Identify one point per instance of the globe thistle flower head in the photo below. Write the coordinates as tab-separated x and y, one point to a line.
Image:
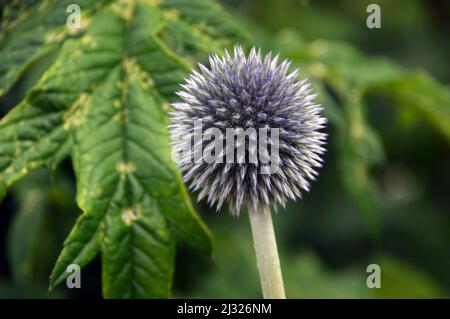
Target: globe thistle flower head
240	93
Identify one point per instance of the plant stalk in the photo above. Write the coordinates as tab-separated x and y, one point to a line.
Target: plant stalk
266	250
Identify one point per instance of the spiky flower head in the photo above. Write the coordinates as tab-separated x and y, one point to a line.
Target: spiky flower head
239	93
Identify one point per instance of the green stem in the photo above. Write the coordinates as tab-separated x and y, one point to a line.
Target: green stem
267	258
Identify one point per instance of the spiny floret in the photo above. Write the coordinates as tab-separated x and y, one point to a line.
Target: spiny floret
242	92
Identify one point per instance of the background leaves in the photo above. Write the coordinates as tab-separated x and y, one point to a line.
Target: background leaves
351	77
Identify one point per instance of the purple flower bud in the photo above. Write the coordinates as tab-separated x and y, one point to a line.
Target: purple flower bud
243	94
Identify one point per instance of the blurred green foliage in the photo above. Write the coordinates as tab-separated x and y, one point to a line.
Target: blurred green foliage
382	196
387	158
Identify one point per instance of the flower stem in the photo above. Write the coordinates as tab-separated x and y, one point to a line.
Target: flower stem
267	258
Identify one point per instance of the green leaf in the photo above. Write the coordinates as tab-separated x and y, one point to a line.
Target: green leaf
204	22
30	29
135	206
30	138
80	247
138	253
104	101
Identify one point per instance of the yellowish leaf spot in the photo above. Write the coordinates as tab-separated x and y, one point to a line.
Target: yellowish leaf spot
54	36
136	74
317	70
171	14
166	106
154	3
121	116
124	8
125	168
129	215
117	104
76	114
87	39
97	191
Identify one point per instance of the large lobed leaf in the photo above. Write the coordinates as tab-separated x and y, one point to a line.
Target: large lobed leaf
31	29
104	102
